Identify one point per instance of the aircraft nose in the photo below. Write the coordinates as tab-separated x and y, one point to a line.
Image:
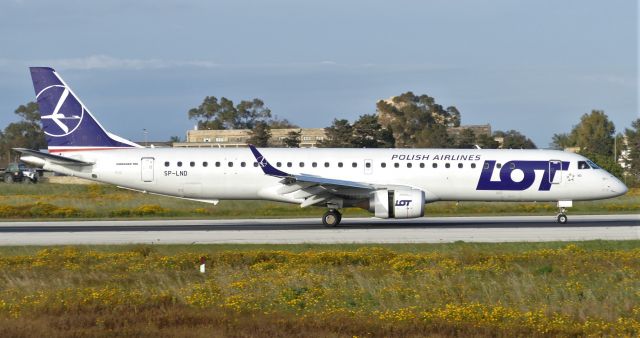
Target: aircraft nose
617	187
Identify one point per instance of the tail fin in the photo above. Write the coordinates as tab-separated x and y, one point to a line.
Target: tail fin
67	123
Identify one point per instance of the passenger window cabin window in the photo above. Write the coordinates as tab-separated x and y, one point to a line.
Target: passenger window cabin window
255	164
354	165
230	164
301	164
512	166
499	165
383	165
409	165
460	165
486	166
192	164
289	164
583	165
179	164
243	164
339	164
368	164
217	164
326	164
205	164
434	165
421	165
396	165
314	164
166	164
278	164
447	165
473	165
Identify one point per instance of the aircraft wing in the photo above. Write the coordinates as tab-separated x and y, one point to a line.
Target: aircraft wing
53	158
315	189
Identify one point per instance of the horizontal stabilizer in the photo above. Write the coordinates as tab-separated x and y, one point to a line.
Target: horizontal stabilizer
52	158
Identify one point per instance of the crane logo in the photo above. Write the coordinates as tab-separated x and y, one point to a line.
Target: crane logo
66	111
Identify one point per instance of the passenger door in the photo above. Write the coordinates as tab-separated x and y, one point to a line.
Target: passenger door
555	171
146	167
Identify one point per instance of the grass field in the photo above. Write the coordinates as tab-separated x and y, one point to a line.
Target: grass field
102	201
414	290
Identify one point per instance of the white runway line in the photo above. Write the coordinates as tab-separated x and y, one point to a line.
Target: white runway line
497	230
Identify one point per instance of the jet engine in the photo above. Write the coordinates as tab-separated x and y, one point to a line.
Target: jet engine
408	203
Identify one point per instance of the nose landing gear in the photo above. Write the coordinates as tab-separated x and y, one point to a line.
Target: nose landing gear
331	218
562	209
562	218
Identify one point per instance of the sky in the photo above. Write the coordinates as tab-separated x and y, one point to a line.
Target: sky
532	66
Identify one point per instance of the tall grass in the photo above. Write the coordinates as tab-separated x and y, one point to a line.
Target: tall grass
516	289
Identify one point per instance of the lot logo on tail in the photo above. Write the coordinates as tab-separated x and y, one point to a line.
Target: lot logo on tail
528	175
66	112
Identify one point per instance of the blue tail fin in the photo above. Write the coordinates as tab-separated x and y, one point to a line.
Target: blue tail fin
67	123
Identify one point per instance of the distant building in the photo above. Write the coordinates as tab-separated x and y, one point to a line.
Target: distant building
478	129
309	138
234	138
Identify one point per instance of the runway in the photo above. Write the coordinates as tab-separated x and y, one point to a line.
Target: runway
352	230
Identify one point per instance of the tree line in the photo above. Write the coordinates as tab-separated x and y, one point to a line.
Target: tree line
595	138
405	121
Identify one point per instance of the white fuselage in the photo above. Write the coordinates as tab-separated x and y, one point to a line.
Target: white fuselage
443	174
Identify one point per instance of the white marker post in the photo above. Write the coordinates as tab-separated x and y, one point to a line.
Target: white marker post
202	261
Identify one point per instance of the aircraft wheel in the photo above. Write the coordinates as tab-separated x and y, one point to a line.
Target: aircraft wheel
562	219
8	178
331	218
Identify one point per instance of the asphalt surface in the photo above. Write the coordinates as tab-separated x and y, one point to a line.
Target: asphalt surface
352	230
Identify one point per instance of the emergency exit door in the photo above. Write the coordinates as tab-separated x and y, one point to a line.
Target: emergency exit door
146	165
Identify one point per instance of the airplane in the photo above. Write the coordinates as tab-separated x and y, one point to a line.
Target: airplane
390	183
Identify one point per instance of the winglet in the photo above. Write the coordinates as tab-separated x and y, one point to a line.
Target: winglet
267	168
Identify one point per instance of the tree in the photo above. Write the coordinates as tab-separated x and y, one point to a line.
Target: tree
23	134
368	133
248	113
487	142
594	134
562	141
293	139
466	139
513	139
632	160
260	134
174	139
222	114
277	123
339	135
417	121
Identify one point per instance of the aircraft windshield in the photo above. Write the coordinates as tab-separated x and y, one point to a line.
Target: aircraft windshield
593	165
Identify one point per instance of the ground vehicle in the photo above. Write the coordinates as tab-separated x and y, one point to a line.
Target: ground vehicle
18	172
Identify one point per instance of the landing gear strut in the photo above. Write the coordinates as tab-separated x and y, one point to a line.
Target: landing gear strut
331	218
562	210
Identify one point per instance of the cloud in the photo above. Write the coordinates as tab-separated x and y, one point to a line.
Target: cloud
109	62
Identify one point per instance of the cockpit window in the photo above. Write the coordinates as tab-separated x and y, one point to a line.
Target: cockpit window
583	165
593	165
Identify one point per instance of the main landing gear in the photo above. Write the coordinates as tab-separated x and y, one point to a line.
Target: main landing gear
331	218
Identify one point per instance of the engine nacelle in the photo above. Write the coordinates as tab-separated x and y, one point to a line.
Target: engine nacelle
407	203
